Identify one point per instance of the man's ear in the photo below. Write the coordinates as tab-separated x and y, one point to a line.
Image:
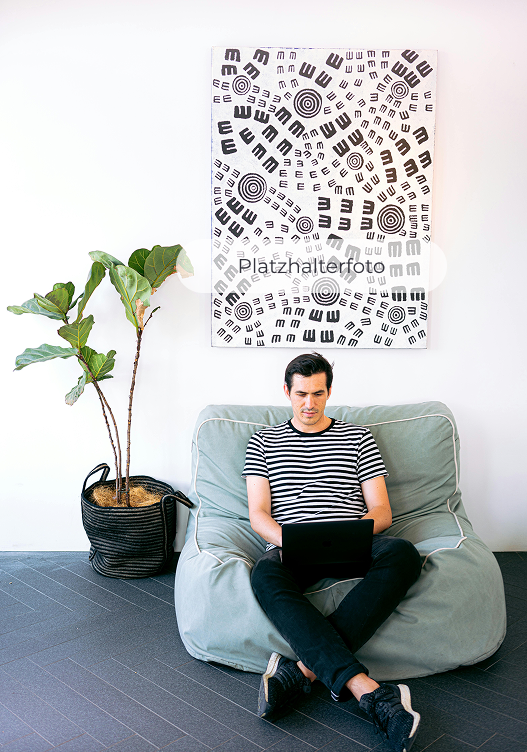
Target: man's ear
286	390
329	391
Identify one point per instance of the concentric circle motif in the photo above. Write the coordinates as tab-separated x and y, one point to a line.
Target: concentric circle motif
391	219
243	311
325	291
400	89
252	187
396	315
307	103
355	161
241	85
304	225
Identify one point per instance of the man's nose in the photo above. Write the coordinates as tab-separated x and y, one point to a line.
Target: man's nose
310	400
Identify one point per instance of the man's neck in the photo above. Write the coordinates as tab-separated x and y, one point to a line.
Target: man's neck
317	427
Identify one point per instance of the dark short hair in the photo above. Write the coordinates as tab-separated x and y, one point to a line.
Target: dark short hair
308	365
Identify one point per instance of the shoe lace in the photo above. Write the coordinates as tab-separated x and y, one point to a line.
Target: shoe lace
384	710
290	678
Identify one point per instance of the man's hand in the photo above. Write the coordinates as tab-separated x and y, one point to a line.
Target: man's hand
259	497
377	502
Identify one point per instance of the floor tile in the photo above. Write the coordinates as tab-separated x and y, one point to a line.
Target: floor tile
34	599
291	744
466	711
88	716
11	726
47	588
244	696
113	634
136	716
135	743
481	690
306	729
141	705
10	624
449	744
516	610
244	677
499	743
84	743
343	744
429	731
49	723
515	637
155	677
342	718
442	715
517	672
188	744
489	680
238	744
94	591
123	588
42	624
155	589
31	743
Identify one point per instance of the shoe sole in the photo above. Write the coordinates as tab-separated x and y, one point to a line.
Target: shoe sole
269	673
406	702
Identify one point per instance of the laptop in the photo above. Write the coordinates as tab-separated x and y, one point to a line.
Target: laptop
340	548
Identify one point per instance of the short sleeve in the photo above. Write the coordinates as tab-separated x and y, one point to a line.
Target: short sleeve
255	462
369	462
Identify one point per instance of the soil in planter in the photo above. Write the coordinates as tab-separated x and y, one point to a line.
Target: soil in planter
104	496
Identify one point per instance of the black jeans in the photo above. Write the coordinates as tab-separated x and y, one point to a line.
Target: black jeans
326	646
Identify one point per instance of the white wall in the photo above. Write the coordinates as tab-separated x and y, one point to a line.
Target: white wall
104	131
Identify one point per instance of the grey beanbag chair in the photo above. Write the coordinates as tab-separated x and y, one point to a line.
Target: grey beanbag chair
454	614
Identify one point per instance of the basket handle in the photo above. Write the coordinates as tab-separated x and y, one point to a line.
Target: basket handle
178	496
105	472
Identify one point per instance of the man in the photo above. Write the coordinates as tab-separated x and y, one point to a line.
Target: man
313	467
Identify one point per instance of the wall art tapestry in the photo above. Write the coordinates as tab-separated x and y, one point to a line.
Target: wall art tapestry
321	197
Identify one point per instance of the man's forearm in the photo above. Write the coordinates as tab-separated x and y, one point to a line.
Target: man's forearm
381	517
263	524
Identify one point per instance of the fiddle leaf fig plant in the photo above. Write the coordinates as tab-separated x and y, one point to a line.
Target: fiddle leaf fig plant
135	283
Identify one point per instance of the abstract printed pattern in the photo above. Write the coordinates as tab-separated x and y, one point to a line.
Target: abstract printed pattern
321	197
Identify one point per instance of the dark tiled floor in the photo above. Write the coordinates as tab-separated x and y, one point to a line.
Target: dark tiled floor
89	663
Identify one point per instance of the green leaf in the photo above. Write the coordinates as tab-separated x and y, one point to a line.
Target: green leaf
69	286
55	301
77	333
105	259
95	277
42	353
107	366
132	287
137	260
33	306
73	395
61	298
99	364
184	266
161	263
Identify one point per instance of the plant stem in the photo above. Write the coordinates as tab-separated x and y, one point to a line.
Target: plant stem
128	436
105	406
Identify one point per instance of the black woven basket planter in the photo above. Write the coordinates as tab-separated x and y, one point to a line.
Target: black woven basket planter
131	542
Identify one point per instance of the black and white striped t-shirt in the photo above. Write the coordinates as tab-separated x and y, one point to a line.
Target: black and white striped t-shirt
315	476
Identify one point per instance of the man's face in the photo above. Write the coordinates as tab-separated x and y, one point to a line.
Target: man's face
308	396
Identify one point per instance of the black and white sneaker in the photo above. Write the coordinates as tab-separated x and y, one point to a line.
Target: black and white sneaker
390	708
281	684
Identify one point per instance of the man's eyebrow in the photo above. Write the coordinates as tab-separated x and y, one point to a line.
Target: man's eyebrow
299	391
